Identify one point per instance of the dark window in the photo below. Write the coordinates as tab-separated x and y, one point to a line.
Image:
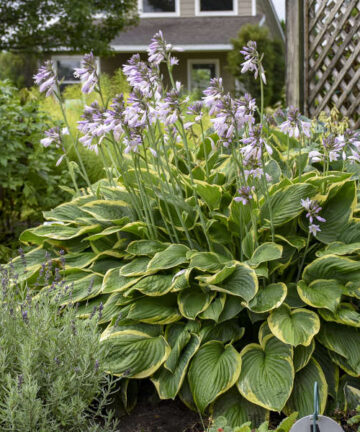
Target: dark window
65	69
201	73
216	5
158	6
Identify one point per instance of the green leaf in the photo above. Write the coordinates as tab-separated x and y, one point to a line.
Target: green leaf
343	340
193	301
172	256
267	373
233	306
61	232
335	267
168	383
134	353
339	248
106	210
229	331
214	310
294	327
286	203
210	193
136	267
266	252
302	355
287	423
337	211
345	313
213	370
156	285
146	247
321	293
237	410
268	298
302	397
81	288
331	371
207	261
239	280
113	282
155	310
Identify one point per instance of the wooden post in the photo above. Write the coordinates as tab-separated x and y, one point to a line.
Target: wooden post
294	53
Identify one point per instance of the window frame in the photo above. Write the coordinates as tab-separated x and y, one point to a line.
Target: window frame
158	14
63	57
191	62
234	12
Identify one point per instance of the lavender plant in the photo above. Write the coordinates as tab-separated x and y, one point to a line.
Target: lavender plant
225	260
52	375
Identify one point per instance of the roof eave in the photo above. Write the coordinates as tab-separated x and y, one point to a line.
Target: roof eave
182	48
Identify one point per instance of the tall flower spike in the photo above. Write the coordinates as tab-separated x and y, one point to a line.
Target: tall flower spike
46	78
294	126
252	61
53	136
160	51
313	209
87	73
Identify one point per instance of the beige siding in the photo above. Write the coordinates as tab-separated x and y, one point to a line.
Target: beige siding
187	8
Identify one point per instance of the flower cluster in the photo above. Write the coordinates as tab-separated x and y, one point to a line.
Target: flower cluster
159	50
54	136
312	207
46	78
294	125
253	61
87	73
246	194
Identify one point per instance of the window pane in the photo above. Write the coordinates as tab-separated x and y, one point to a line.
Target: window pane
216	5
65	69
158	6
201	75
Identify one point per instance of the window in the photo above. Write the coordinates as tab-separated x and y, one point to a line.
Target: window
216	7
158	8
64	66
200	72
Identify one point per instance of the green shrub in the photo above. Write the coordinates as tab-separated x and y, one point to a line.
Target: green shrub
220	424
227	263
52	375
273	62
29	179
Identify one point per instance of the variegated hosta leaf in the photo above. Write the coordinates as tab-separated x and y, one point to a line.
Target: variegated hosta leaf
214	310
113	282
238	279
330	369
286	203
339	248
193	301
153	286
345	313
107	210
229	331
267	373
171	257
213	370
266	252
210	193
146	247
155	310
168	383
81	288
343	340
207	261
238	410
340	268
68	212
233	306
302	355
59	231
342	363
294	326
302	397
321	293
134	353
268	298
136	267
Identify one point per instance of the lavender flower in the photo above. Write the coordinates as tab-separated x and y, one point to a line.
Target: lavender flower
312	207
133	142
92	126
169	110
334	146
294	126
87	73
114	117
46	78
142	78
253	61
245	195
213	93
160	51
53	136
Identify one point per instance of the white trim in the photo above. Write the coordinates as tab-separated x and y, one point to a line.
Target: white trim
62	57
216	13
185	47
158	14
262	21
190	62
253	7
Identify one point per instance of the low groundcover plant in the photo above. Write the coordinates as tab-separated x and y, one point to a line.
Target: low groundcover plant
222	248
52	376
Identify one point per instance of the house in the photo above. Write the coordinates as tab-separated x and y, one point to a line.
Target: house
201	29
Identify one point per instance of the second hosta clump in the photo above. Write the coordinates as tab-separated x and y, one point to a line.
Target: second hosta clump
225	261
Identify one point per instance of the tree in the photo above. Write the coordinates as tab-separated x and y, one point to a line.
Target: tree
273	62
45	26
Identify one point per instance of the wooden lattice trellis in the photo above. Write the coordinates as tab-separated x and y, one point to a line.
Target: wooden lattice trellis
332	57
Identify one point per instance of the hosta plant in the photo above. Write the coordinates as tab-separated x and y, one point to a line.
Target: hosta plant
222	247
220	424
